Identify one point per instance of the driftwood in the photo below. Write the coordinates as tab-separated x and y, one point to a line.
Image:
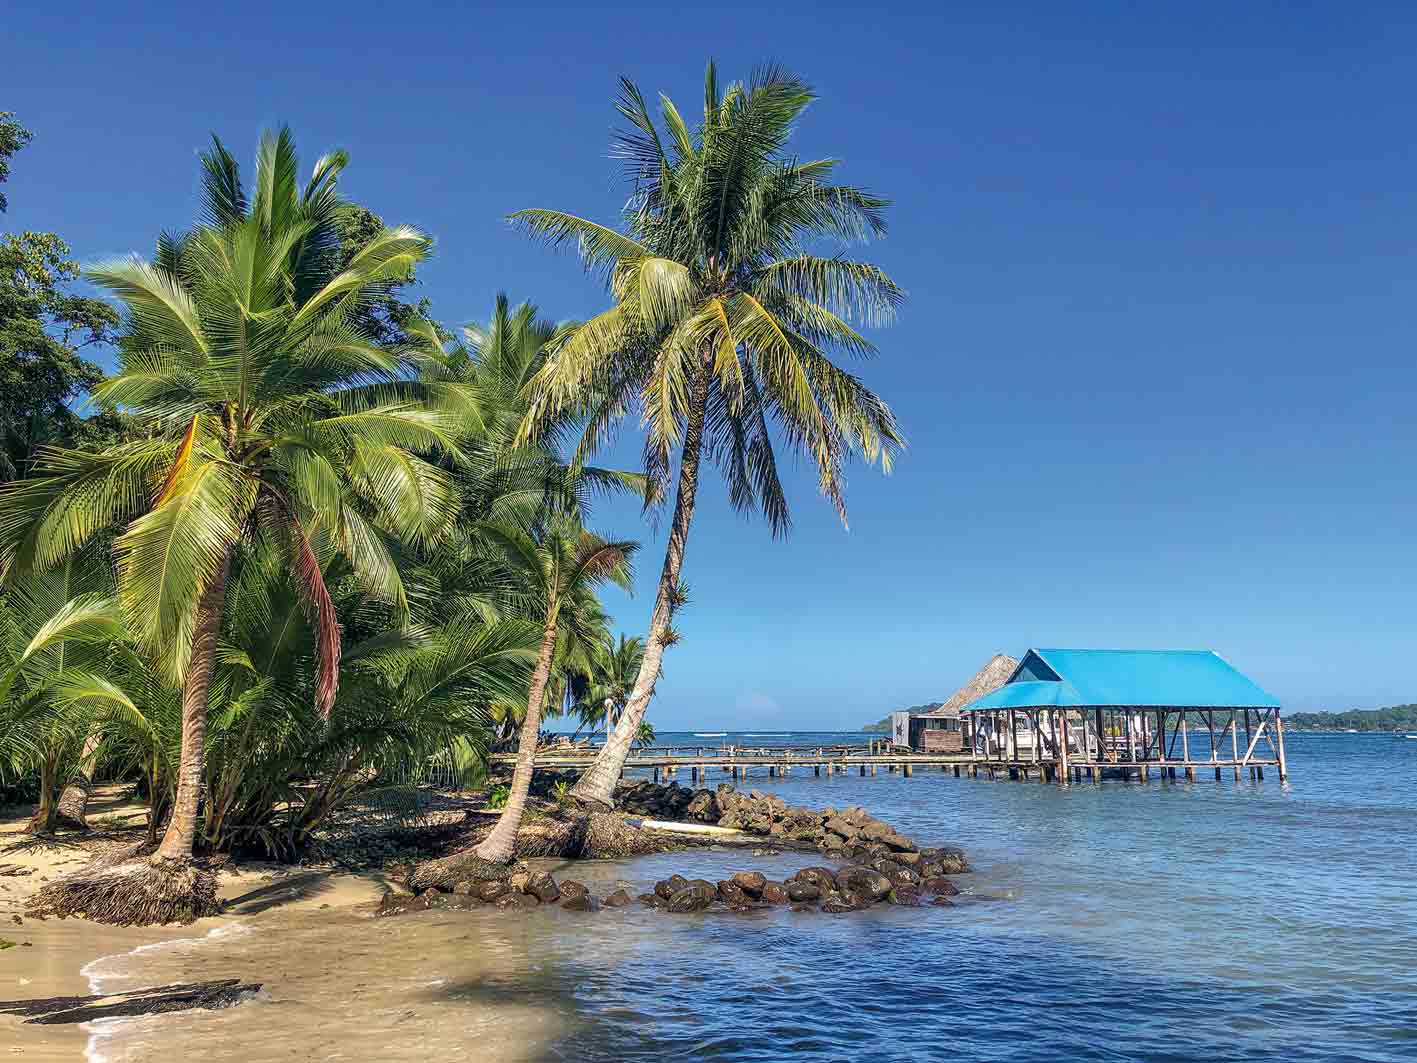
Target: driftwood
221	993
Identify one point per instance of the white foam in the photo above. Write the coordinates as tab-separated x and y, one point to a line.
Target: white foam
95	971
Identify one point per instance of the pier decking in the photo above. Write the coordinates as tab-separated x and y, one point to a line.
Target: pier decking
738	762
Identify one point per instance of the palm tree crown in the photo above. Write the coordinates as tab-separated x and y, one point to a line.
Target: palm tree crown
722	309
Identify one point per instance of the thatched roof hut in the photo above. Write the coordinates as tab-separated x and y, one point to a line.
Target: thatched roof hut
938	731
987	680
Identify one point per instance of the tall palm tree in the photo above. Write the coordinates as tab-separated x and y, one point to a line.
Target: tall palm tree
723	318
557	569
270	416
612	680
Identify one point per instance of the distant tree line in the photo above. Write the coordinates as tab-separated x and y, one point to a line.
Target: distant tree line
884	725
1392	718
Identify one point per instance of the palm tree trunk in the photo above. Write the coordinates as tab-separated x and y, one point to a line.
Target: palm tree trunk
181	831
74	801
597	785
42	822
498	846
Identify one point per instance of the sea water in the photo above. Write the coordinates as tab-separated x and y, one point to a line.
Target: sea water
1123	921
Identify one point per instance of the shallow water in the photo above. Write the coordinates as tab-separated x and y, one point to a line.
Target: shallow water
1178	921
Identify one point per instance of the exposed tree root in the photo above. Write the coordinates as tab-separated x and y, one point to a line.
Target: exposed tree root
462	866
126	891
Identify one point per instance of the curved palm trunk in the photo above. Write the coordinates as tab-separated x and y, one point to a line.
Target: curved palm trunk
181	832
498	846
74	801
597	785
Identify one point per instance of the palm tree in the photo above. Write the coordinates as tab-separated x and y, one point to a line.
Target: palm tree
270	416
722	321
557	569
611	681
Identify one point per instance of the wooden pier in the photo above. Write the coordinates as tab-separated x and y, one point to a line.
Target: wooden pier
1043	762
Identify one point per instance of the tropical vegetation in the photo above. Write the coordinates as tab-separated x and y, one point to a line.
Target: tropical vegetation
305	546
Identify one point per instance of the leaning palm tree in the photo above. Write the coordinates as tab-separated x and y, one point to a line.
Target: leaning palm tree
268	415
557	569
723	319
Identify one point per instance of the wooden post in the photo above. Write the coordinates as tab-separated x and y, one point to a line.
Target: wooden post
873	768
1060	735
1279	752
817	770
906	770
863	771
1013	735
1235	744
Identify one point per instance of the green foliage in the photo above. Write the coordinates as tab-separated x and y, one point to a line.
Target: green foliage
497	797
13	137
43	328
883	726
1392	718
722	309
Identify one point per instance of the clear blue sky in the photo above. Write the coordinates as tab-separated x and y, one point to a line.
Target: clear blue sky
1156	368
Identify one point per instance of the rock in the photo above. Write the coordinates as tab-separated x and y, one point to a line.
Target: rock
802	891
875	830
543	887
571	888
520	880
652	900
583	902
492	890
704	807
949	860
520	902
693	898
459	902
942	902
909	859
774	893
939	885
838	825
618	899
751	882
823	878
836	904
831	842
804	908
666	888
905	896
863	881
899	874
465	888
898	842
732	894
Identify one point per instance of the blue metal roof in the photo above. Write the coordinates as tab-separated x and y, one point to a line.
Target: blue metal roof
1152	678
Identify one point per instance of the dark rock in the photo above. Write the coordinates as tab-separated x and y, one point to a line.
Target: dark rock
492	890
905	896
942	902
751	882
465	888
838	825
802	891
898	842
666	888
775	893
652	900
521	902
399	904
618	899
836	903
948	860
692	898
804	908
823	878
582	902
571	888
543	887
939	885
909	859
731	893
863	881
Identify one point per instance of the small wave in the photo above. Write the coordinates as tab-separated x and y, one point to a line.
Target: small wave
112	966
710	734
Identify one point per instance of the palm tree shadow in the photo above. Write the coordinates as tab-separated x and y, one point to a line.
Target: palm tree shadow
282	891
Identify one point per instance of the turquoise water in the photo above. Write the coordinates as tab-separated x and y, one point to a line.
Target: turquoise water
1177	921
1124	921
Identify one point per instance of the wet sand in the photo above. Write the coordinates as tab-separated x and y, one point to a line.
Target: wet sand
338	983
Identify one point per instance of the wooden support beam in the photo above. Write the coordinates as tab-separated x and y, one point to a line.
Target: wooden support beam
1279	752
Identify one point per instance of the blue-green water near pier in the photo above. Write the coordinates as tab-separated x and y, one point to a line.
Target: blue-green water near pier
1168	921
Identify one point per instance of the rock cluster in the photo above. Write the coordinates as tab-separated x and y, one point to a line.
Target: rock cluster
521	891
847	834
850	889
